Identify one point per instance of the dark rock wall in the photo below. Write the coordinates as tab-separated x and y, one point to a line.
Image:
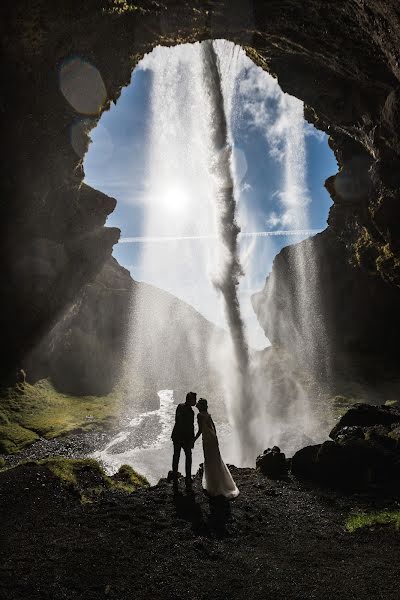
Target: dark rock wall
341	58
340	322
82	354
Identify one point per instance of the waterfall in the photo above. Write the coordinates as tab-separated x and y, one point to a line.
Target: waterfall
191	194
227	279
290	419
176	197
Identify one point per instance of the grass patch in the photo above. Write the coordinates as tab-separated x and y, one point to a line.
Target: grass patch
361	520
392	403
29	411
13	438
128	480
88	479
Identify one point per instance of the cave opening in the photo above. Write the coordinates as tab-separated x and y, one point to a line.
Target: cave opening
148	151
264	125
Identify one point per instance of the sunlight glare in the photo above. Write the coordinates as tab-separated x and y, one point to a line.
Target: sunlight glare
175	199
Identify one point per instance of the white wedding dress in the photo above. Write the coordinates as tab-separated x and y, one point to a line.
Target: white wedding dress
217	480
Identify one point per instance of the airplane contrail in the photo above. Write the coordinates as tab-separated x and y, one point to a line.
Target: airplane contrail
242	234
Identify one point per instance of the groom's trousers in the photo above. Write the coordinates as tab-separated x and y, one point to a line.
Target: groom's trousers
187	448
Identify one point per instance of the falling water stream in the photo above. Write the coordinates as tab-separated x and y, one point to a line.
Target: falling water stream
192	188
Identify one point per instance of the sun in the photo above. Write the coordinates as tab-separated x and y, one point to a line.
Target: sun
175	199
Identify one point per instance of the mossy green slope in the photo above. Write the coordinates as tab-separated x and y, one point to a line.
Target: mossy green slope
362	520
88	479
29	411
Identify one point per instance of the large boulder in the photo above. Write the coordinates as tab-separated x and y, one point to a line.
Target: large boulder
365	415
272	463
304	462
364	450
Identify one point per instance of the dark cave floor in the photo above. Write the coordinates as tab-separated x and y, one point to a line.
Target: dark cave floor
277	540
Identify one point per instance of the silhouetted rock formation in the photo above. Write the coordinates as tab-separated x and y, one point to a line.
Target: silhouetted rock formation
365	450
272	463
348	320
83	353
343	62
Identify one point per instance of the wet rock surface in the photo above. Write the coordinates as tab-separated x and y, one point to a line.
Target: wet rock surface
74	445
281	540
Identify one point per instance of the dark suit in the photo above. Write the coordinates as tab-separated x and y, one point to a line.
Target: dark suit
182	437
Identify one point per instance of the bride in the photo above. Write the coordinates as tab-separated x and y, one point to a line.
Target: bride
217	480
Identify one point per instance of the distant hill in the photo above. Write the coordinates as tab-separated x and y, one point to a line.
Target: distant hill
123	332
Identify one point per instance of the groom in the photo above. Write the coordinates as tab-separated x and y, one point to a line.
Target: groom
183	437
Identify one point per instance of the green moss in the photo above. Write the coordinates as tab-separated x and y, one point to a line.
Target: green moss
120	7
378	258
366	250
388	264
394	403
341	404
2	462
69	469
360	520
3	418
29	411
13	438
87	478
257	58
128	480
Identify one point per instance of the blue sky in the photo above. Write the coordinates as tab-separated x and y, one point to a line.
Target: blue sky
122	163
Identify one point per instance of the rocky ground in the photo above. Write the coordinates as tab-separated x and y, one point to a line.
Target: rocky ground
74	445
278	539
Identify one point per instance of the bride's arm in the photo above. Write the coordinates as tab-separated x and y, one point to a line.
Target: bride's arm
200	425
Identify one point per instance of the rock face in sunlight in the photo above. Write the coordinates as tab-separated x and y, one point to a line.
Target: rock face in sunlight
169	344
84	353
342	63
350	330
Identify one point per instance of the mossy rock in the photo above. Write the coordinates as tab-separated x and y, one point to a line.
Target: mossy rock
127	479
13	438
371	520
341	404
88	479
393	403
4	420
29	411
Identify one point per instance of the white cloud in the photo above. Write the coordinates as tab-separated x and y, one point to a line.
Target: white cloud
280	119
285	219
311	131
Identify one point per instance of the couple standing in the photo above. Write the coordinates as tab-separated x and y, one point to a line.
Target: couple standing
217	480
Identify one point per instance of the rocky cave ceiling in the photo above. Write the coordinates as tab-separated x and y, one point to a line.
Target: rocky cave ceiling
339	57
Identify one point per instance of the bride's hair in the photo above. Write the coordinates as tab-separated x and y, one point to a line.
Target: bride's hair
202	404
